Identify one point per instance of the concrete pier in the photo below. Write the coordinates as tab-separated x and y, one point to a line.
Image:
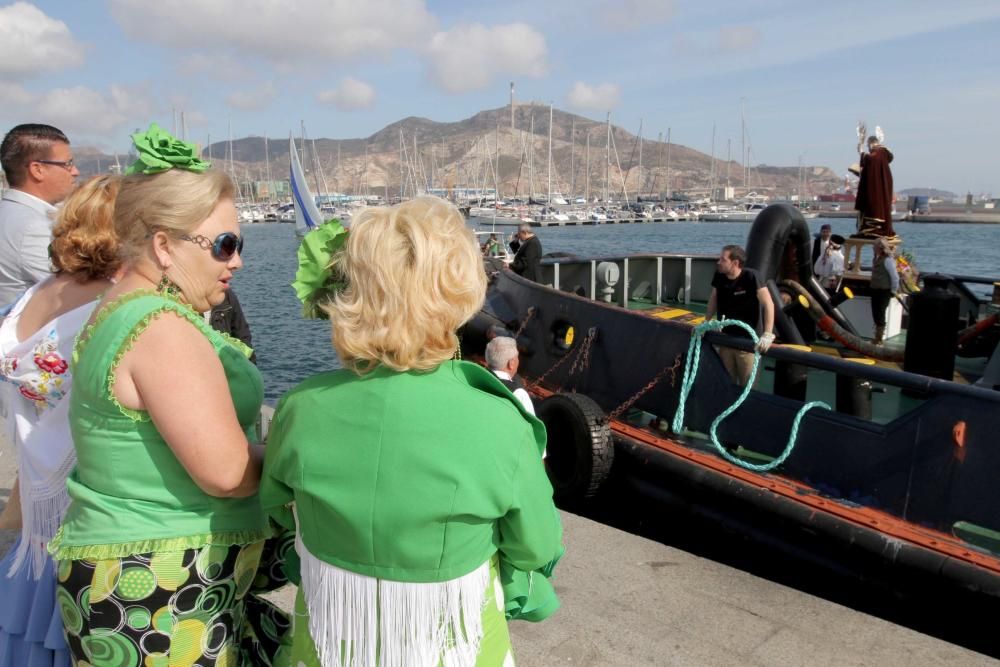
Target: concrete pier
630	601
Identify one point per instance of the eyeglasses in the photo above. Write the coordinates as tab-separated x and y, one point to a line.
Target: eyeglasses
223	247
65	164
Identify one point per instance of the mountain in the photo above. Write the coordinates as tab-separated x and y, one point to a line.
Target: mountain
464	153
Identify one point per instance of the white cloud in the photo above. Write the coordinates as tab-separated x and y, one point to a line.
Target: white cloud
222	66
310	31
601	97
738	37
350	95
632	14
253	98
31	42
81	111
470	56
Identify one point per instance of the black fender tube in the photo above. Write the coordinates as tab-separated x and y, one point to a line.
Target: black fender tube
783	324
774	228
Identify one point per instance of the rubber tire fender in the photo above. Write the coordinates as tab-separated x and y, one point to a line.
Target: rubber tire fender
580	447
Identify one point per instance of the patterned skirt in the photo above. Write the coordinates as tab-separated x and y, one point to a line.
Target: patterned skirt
196	607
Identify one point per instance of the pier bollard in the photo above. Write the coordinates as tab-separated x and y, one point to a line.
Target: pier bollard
854	394
790	379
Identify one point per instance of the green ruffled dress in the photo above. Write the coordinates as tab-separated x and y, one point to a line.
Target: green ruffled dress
151	569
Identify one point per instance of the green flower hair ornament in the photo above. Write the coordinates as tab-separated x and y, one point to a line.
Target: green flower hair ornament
160	151
316	282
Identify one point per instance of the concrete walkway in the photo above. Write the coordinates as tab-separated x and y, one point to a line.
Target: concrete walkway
630	601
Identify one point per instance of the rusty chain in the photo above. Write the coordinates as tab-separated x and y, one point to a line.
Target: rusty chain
583	349
671	370
527	318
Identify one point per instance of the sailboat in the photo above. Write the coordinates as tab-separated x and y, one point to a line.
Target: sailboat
307	216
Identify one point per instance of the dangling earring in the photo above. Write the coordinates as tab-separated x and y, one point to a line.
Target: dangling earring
166	287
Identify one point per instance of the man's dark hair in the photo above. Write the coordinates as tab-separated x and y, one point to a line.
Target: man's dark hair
736	254
23	145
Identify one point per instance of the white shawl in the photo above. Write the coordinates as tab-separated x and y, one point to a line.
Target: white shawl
36	384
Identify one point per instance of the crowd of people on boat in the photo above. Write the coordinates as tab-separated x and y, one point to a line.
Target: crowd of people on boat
153	515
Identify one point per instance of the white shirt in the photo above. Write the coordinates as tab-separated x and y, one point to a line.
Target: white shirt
519	394
25	235
830	265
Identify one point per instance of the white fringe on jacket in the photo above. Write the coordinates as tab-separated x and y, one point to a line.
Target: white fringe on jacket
354	618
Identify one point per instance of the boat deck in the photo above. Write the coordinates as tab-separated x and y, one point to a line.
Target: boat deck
888	402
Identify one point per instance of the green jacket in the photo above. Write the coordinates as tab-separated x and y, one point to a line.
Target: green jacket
415	476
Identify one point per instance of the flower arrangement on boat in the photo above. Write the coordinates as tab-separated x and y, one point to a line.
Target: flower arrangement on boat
909	275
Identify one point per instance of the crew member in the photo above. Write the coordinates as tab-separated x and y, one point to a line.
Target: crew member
829	268
820	242
528	254
738	293
884	284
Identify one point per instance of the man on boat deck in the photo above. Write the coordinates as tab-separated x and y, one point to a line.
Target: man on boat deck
821	242
738	293
874	200
528	254
503	359
38	164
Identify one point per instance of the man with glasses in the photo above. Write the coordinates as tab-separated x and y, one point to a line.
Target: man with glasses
38	164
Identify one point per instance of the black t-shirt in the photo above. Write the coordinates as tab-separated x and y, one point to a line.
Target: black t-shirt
737	300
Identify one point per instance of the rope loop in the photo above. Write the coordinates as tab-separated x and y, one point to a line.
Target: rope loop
690	372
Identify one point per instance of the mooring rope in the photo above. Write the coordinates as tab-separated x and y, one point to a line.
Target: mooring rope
691	370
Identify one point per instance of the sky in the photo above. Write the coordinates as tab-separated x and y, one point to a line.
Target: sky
801	74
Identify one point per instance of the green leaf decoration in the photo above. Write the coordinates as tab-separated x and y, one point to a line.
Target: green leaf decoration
160	151
315	281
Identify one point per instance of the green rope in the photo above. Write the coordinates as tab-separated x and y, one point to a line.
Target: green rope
690	371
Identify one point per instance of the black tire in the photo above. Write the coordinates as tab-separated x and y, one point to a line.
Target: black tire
580	447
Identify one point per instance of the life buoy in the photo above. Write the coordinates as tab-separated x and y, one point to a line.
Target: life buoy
580	447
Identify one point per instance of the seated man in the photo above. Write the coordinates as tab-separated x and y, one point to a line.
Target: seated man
502	358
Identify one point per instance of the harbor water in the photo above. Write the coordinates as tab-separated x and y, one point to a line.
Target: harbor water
289	348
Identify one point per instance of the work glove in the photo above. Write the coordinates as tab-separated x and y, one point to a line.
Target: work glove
764	343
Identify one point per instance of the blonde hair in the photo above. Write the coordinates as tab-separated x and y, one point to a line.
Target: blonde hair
84	243
174	201
414	276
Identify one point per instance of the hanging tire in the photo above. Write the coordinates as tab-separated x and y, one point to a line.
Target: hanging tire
580	447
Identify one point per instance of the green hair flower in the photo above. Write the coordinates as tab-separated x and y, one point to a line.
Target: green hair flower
159	151
316	282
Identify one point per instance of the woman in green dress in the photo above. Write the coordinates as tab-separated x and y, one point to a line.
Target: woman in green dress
161	546
415	480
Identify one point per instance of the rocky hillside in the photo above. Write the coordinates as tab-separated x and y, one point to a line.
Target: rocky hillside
419	152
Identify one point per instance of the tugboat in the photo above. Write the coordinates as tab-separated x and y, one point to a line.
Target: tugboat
901	462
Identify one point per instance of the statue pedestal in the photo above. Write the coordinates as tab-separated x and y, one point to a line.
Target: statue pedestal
853	249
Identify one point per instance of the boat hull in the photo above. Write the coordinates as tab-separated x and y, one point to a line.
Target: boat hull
911	488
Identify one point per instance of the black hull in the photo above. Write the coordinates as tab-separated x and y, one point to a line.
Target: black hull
900	489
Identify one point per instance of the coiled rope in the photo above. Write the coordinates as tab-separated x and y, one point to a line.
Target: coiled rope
690	371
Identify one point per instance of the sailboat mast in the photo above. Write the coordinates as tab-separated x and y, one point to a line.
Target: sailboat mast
669	193
267	168
711	171
640	157
531	157
549	200
401	165
572	161
607	163
743	140
587	186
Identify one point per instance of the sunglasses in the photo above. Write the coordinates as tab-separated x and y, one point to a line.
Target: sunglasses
223	247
